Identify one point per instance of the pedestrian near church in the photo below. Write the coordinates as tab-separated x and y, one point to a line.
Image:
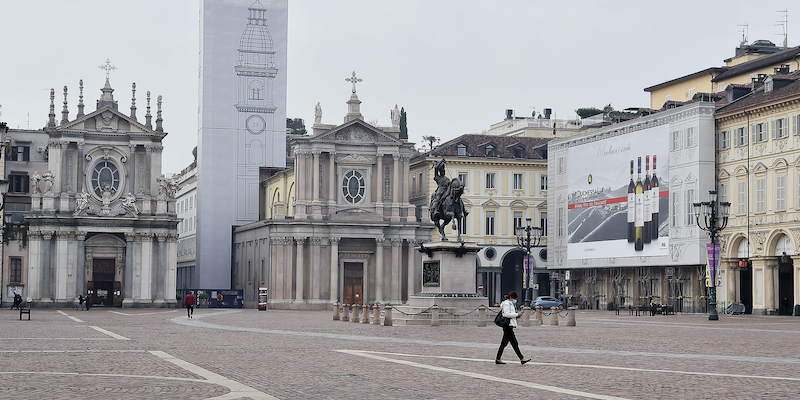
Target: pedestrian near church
17	301
80	302
189	303
509	310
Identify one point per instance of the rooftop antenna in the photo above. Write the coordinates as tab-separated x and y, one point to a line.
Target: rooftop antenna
784	23
744	29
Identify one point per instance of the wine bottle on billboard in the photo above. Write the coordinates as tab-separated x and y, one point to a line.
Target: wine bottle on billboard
638	244
631	208
648	213
656	201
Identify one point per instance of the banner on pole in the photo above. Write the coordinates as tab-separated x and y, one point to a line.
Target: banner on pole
713	277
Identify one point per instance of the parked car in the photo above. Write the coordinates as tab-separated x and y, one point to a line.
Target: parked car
547	302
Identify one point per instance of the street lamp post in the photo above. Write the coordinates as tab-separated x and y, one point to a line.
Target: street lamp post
715	218
527	237
3	191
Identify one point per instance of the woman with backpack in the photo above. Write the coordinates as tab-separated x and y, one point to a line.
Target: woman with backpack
509	310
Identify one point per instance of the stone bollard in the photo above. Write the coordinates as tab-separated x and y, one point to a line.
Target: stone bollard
366	314
571	316
537	321
554	316
387	319
336	311
354	317
345	313
481	316
526	316
376	315
435	315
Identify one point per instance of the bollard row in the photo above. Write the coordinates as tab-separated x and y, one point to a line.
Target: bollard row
355	313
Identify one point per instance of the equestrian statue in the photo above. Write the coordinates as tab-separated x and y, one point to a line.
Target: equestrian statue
446	204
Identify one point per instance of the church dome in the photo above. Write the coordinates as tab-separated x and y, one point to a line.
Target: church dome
256	37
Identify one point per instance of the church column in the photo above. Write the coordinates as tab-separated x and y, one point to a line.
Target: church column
397	277
47	272
332	184
35	259
300	189
276	268
396	187
316	211
80	271
411	267
161	275
770	284
127	283
335	269
316	263
172	264
62	265
298	288
288	263
130	182
146	289
79	160
411	215
379	186
54	163
379	270
155	166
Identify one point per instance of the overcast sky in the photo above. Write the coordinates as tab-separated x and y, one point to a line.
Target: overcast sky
454	65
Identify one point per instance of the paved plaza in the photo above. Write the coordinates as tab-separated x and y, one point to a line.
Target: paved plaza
250	354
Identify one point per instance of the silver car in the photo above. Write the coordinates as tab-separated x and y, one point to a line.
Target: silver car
547	302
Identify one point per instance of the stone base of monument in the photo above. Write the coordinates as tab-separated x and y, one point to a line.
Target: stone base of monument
449	282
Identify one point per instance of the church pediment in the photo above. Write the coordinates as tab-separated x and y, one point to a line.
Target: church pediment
108	120
356	132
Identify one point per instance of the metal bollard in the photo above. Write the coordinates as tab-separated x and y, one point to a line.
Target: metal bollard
571	316
526	316
376	315
345	313
435	315
387	319
481	316
366	314
537	320
336	311
354	318
554	316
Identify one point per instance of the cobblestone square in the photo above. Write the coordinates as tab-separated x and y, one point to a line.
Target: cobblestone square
249	354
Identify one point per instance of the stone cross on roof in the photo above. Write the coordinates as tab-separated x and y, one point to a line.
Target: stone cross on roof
107	67
354	80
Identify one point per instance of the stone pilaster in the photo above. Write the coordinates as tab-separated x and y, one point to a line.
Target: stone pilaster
299	269
379	270
397	272
334	241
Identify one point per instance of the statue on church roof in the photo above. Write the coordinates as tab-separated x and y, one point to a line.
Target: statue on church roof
48	178
35	179
395	117
446	204
128	205
81	203
317	114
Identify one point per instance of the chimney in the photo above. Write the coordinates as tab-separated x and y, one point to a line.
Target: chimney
547	113
782	70
509	114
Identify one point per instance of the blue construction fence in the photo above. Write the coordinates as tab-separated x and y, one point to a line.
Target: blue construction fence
207	298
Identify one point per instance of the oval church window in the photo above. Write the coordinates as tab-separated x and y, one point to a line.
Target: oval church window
353	187
105	176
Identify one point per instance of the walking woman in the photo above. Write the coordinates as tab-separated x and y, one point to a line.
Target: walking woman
510	311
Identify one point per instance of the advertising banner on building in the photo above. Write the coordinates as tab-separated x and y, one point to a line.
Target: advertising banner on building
618	204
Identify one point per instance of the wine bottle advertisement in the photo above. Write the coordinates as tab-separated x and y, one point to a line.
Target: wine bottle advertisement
618	204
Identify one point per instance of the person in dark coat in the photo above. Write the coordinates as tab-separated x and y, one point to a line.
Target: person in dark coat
189	303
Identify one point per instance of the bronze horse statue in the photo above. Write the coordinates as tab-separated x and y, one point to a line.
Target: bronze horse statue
446	204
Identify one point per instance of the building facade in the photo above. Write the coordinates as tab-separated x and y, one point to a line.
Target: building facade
100	218
505	184
242	115
758	171
186	208
663	258
350	233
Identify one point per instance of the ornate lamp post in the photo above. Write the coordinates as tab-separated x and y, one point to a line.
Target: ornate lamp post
715	218
3	191
527	237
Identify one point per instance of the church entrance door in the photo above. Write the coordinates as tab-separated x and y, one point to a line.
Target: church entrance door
103	284
353	283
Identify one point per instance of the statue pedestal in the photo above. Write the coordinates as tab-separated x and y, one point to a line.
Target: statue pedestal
36	202
48	202
448	276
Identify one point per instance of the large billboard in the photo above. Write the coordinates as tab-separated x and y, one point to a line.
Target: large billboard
618	196
242	117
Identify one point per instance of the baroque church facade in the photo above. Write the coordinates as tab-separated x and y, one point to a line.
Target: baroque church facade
339	226
101	220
